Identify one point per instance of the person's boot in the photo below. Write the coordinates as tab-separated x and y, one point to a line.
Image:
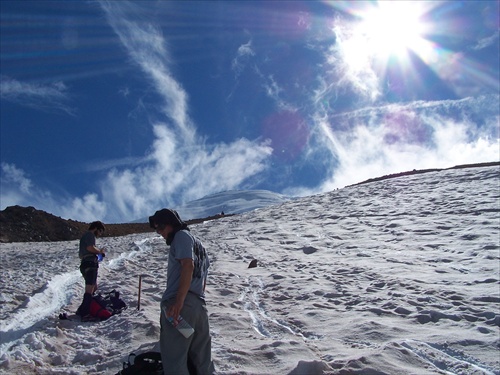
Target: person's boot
84	309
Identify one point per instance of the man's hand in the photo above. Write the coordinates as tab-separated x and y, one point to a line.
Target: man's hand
187	266
175	311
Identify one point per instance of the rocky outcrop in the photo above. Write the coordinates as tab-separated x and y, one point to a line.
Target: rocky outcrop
27	224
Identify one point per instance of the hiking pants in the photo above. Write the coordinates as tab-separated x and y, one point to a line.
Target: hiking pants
177	351
89	268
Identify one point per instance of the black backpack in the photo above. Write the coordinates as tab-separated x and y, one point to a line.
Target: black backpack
111	302
148	363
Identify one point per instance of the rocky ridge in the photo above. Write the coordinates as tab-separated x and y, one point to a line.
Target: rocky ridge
27	224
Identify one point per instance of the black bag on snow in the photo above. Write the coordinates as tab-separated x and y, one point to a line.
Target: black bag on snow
111	302
148	363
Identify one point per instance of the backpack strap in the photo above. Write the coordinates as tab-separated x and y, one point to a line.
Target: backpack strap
141	364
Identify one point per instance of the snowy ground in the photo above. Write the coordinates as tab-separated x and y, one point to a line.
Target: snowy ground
395	277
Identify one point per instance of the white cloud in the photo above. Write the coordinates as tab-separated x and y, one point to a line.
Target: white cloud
274	92
86	209
246	49
376	141
240	61
48	98
177	173
146	47
382	139
15	185
180	165
18	189
488	41
106	165
13	175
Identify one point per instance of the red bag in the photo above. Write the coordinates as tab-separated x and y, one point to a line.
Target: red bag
98	311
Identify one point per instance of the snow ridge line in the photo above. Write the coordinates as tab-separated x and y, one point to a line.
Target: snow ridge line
56	293
53	296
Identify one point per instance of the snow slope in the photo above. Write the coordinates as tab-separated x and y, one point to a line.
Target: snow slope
399	276
230	202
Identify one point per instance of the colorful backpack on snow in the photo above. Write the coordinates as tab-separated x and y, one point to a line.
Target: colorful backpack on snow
111	302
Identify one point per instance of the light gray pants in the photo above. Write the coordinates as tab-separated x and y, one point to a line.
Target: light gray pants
176	350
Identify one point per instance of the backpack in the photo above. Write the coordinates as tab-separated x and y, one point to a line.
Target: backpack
98	310
201	262
148	363
111	302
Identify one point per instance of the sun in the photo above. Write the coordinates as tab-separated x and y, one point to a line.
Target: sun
384	33
392	28
376	40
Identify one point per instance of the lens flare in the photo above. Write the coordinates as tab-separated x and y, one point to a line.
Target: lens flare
288	133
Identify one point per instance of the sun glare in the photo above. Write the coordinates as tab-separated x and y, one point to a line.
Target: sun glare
392	28
385	33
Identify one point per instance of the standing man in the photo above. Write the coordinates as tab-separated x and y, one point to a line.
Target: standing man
88	254
184	296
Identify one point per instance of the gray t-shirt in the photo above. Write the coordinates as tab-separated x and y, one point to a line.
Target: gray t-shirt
88	239
185	245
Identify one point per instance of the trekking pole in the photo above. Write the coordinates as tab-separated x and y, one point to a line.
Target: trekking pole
139	296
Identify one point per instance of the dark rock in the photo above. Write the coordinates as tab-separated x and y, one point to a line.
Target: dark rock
27	224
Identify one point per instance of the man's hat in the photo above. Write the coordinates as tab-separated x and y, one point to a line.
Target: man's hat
165	216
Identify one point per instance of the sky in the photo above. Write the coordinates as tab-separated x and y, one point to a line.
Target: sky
110	110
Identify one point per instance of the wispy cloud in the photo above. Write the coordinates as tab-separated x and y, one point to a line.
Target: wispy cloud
181	165
106	165
245	51
377	140
486	42
49	98
355	135
13	175
18	189
240	63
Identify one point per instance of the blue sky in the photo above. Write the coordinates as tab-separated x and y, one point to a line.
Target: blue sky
112	110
